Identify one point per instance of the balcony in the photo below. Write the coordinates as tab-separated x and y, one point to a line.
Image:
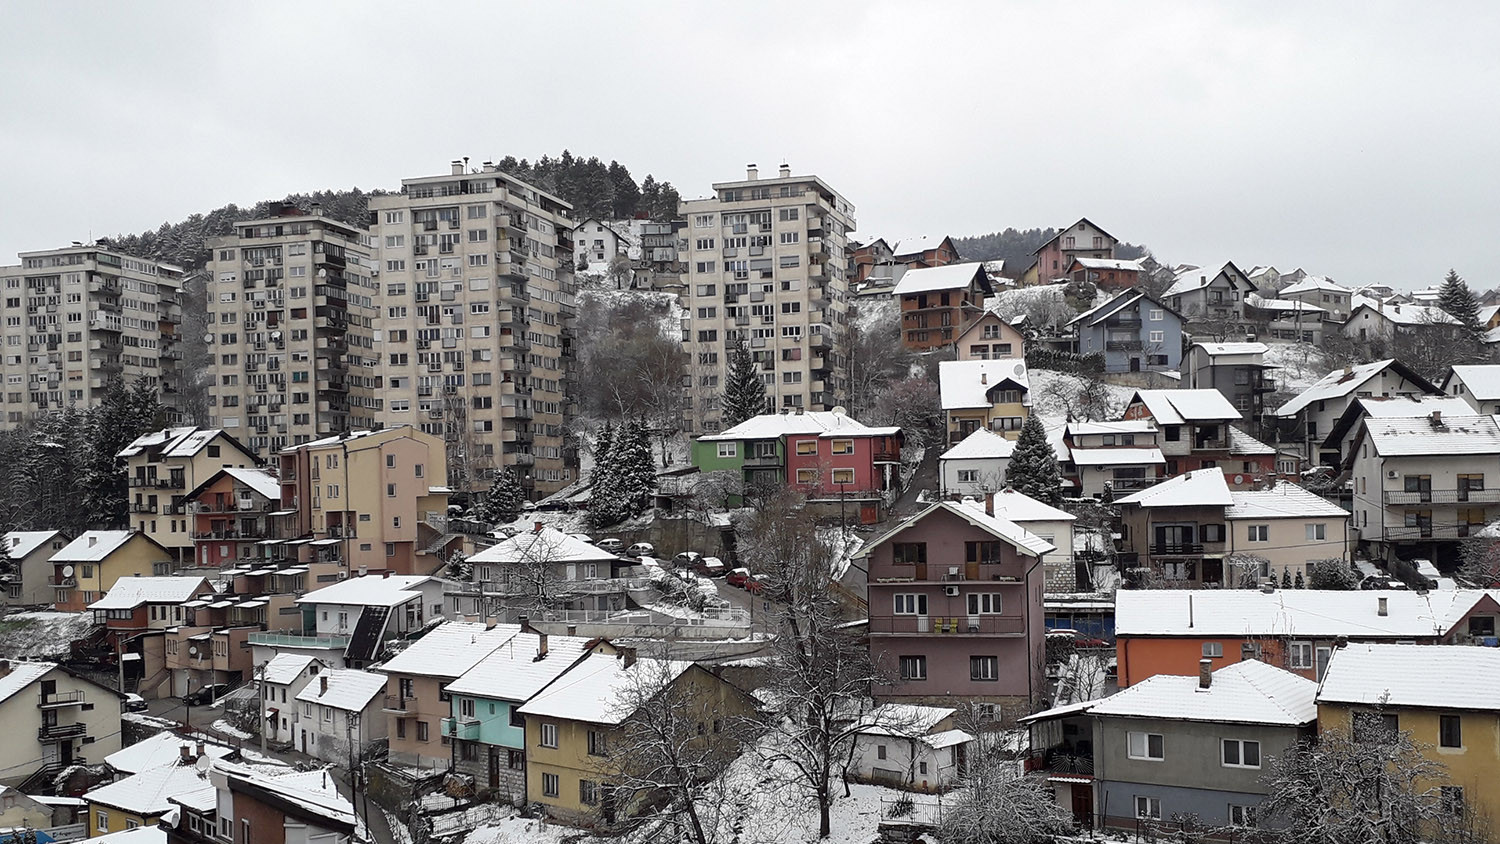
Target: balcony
402	705
1442	496
1420	532
61	732
48	700
63	583
1122	345
958	626
1265	385
460	728
288	639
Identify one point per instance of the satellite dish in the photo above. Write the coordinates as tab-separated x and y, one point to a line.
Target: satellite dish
208	338
1020	369
203	764
192	650
1239	479
67	571
275	335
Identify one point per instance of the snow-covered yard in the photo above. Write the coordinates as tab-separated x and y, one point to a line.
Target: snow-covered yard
1301	365
1054	394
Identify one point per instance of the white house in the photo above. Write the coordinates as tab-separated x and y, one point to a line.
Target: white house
910	747
340	715
281	680
596	243
1313	412
1476	384
1386	321
1209	292
1044	521
976	465
1123	456
366	611
28	579
1322	292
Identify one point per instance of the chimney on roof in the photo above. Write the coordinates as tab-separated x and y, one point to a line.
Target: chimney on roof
751	172
989	503
487	167
457	167
786	170
541	647
1383	609
1436	418
200	749
187	753
4	667
317	209
322	684
1205	673
1268	586
92	540
536	527
984	378
627	656
385	573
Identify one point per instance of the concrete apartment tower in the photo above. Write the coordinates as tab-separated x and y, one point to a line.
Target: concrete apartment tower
766	262
81	318
291	326
476	304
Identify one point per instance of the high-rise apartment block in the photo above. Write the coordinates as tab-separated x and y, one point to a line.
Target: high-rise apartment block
765	263
476	306
81	318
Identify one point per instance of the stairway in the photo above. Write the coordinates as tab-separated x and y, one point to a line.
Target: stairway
369	632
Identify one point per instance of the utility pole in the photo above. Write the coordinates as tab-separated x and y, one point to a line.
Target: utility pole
260	702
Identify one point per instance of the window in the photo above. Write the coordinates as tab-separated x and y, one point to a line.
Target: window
909	552
968	476
1258	533
400	728
1241	815
879	751
984	603
807	446
842	476
421	731
914	668
1148	807
1375	726
843	446
1316	532
1300	655
984	668
596	743
987	551
549	735
101	820
1144	745
1450	731
551	786
910	603
807	476
1158	337
588	792
1213	650
730	449
1239	753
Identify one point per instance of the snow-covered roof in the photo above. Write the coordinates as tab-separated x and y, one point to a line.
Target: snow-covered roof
1481	380
1116	456
1020	508
371	590
903	719
1291	305
1315	284
1001	528
1247	692
18	544
348	689
549	545
261	481
917	244
149	834
512	671
1336	384
1422	435
981	444
161	749
966	383
1283	501
1241	443
1313	613
285	668
335	439
1109	308
1216	349
1108	264
1124	426
314	792
947	277
1198	488
93	546
1178	407
450	649
599	689
1411	314
146	793
130	592
770	426
1197	278
946	738
167	439
21	675
1451	677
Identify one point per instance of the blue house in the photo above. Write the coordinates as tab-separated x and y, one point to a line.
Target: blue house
1134	332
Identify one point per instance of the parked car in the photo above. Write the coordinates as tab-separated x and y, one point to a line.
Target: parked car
612	545
686	559
1079	640
206	694
134	703
757	583
738	577
641	549
710	567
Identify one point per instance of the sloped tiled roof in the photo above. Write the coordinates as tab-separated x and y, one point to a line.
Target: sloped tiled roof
1198	488
1428	676
1247	692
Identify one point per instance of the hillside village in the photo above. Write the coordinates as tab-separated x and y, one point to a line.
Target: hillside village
739	524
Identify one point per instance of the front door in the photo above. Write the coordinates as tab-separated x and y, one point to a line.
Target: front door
304	741
1083	804
494	767
1135	364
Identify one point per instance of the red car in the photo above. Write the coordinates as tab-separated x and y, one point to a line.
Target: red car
738	577
756	583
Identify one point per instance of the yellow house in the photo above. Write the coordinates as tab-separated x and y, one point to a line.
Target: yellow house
993	393
88	567
572	725
1443	695
162	466
141	799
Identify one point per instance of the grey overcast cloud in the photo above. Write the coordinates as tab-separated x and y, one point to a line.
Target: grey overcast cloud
1356	140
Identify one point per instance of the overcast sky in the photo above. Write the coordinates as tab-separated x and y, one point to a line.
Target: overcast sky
1357	140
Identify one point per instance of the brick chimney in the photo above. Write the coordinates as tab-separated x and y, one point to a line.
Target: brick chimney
1205	673
385	573
751	172
627	655
536	527
322	684
1383	607
541	647
989	503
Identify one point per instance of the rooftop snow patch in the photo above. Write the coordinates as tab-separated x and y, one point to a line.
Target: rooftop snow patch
933	279
1283	501
1198	488
1440	677
981	444
1247	692
967	383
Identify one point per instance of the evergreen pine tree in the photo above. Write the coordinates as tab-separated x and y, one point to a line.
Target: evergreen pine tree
1298	582
1286	579
459	567
636	467
1459	302
1033	464
604	443
606	499
744	393
505	500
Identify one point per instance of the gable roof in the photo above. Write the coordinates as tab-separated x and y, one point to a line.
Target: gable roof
94	545
1109	455
1108	264
599	689
348	689
260	481
982	444
549	545
1088	427
370	590
1179	407
22	675
285	668
307	794
130	592
946	277
1011	325
1393	406
1446	677
1216	349
1283	501
967	383
450	649
1247	692
1314	613
512	671
1064	230
18	544
179	442
1481	380
1198	488
1121	300
1000	528
1449	435
1342	382
919	244
1241	443
1314	284
1197	278
1019	507
770	426
1401	314
164	748
147	792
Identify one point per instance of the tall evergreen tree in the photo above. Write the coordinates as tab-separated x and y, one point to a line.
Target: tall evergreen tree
505	500
1033	465
744	393
637	469
604	442
1459	302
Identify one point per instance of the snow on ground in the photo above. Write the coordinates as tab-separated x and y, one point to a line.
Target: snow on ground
670	324
874	309
149	721
38	635
1054	394
1302	364
229	729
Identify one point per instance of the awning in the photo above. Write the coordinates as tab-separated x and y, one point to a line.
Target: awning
326	541
250	605
284	513
269	542
218	605
129	657
259	572
293	570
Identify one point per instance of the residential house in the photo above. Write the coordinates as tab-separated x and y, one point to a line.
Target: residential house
1172	747
365	613
238	803
572	723
595	244
1443	697
137	612
1045	522
485	728
28	574
233	512
162	466
1052	259
282	678
1213	292
1385	322
955	598
1175	530
1113	457
1422	484
537	568
415	700
993	394
375	491
1308	417
142	799
989	337
1196	433
161	750
55	718
1284	530
1166	631
1288	319
918	748
1479	385
38	813
340	715
1237	370
977	465
89	566
1133	331
1411	405
924	251
865	257
1334	299
938	301
1109	274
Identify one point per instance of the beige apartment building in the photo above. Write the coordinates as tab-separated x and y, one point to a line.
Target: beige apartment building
163	466
766	262
476	305
291	319
81	318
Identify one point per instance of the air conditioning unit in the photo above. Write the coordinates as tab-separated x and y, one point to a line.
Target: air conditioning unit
343	575
950	591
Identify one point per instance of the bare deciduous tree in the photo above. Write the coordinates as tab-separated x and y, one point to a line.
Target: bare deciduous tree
997	804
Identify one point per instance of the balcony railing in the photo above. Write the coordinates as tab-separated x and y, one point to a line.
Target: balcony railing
460	728
50	699
1122	345
1443	496
289	639
403	705
963	625
60	732
1408	534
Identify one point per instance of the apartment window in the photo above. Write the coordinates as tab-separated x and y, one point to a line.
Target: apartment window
551	785
910	603
549	735
1241	815
805	447
807	476
984	603
390	490
1300	655
1238	753
843	446
1148	808
1450	731
421	731
588	792
984	668
914	668
390	549
1158	337
728	449
1213	650
1316	532
908	552
842	476
1258	533
987	551
1141	745
596	743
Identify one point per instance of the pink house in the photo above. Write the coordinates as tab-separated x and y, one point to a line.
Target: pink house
955	598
